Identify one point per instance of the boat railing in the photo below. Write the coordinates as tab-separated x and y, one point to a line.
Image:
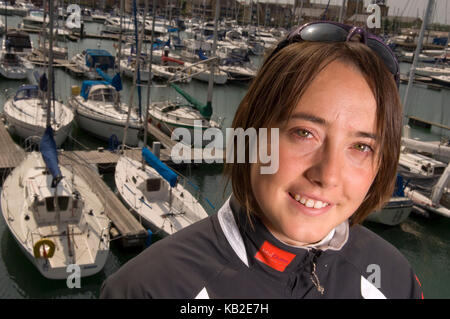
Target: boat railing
190	66
178	119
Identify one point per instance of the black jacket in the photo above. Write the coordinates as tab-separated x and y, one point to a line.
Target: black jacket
222	256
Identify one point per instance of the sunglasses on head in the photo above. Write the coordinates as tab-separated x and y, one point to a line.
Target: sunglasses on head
328	31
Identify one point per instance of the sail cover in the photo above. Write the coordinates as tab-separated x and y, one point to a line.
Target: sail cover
50	155
205	110
160	167
116	81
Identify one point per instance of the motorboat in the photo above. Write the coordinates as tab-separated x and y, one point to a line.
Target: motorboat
112	25
35	20
128	66
17	42
155	196
91	59
98	16
13	66
16	45
98	110
54	215
25	115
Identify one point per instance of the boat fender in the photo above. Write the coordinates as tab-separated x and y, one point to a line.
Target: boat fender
42	242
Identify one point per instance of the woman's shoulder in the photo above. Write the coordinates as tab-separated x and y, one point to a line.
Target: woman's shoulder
379	261
364	244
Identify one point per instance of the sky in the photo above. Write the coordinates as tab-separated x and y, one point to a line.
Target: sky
409	8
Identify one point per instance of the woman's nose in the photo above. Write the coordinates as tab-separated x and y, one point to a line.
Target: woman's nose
326	167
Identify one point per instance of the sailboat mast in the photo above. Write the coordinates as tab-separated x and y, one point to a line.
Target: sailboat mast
50	62
412	71
212	68
149	84
122	9
138	58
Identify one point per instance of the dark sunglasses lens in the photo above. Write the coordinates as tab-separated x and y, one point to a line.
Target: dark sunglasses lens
323	32
384	53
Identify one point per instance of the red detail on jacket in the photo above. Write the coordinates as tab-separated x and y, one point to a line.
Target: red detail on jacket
274	257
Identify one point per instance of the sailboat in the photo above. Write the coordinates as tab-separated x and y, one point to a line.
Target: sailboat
25	115
151	189
171	114
100	112
52	213
54	216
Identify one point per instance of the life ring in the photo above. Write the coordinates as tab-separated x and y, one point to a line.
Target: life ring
44	242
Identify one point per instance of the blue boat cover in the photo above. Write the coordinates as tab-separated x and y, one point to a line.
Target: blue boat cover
26	92
116	81
86	87
201	55
399	190
160	167
50	155
99	58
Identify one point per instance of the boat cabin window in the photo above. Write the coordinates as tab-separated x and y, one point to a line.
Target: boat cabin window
108	95
63	203
97	97
153	184
103	95
10	58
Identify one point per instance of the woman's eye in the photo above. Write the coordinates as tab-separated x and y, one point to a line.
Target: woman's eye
303	133
363	147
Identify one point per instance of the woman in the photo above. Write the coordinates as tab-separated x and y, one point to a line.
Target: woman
330	91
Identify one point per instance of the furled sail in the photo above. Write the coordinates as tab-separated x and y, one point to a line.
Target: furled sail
160	167
50	155
205	110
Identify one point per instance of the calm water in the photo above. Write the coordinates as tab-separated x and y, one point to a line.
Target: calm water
425	243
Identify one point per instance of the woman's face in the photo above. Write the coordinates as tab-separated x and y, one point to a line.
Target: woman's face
327	158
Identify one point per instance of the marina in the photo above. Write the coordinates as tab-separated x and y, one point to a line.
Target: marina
422	239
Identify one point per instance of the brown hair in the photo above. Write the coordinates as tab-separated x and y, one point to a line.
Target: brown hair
279	85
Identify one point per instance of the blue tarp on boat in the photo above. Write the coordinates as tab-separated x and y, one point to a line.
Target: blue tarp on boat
50	155
26	92
86	87
116	81
160	167
97	58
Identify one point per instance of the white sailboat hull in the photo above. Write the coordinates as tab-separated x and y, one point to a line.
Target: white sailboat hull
104	126
26	119
154	210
